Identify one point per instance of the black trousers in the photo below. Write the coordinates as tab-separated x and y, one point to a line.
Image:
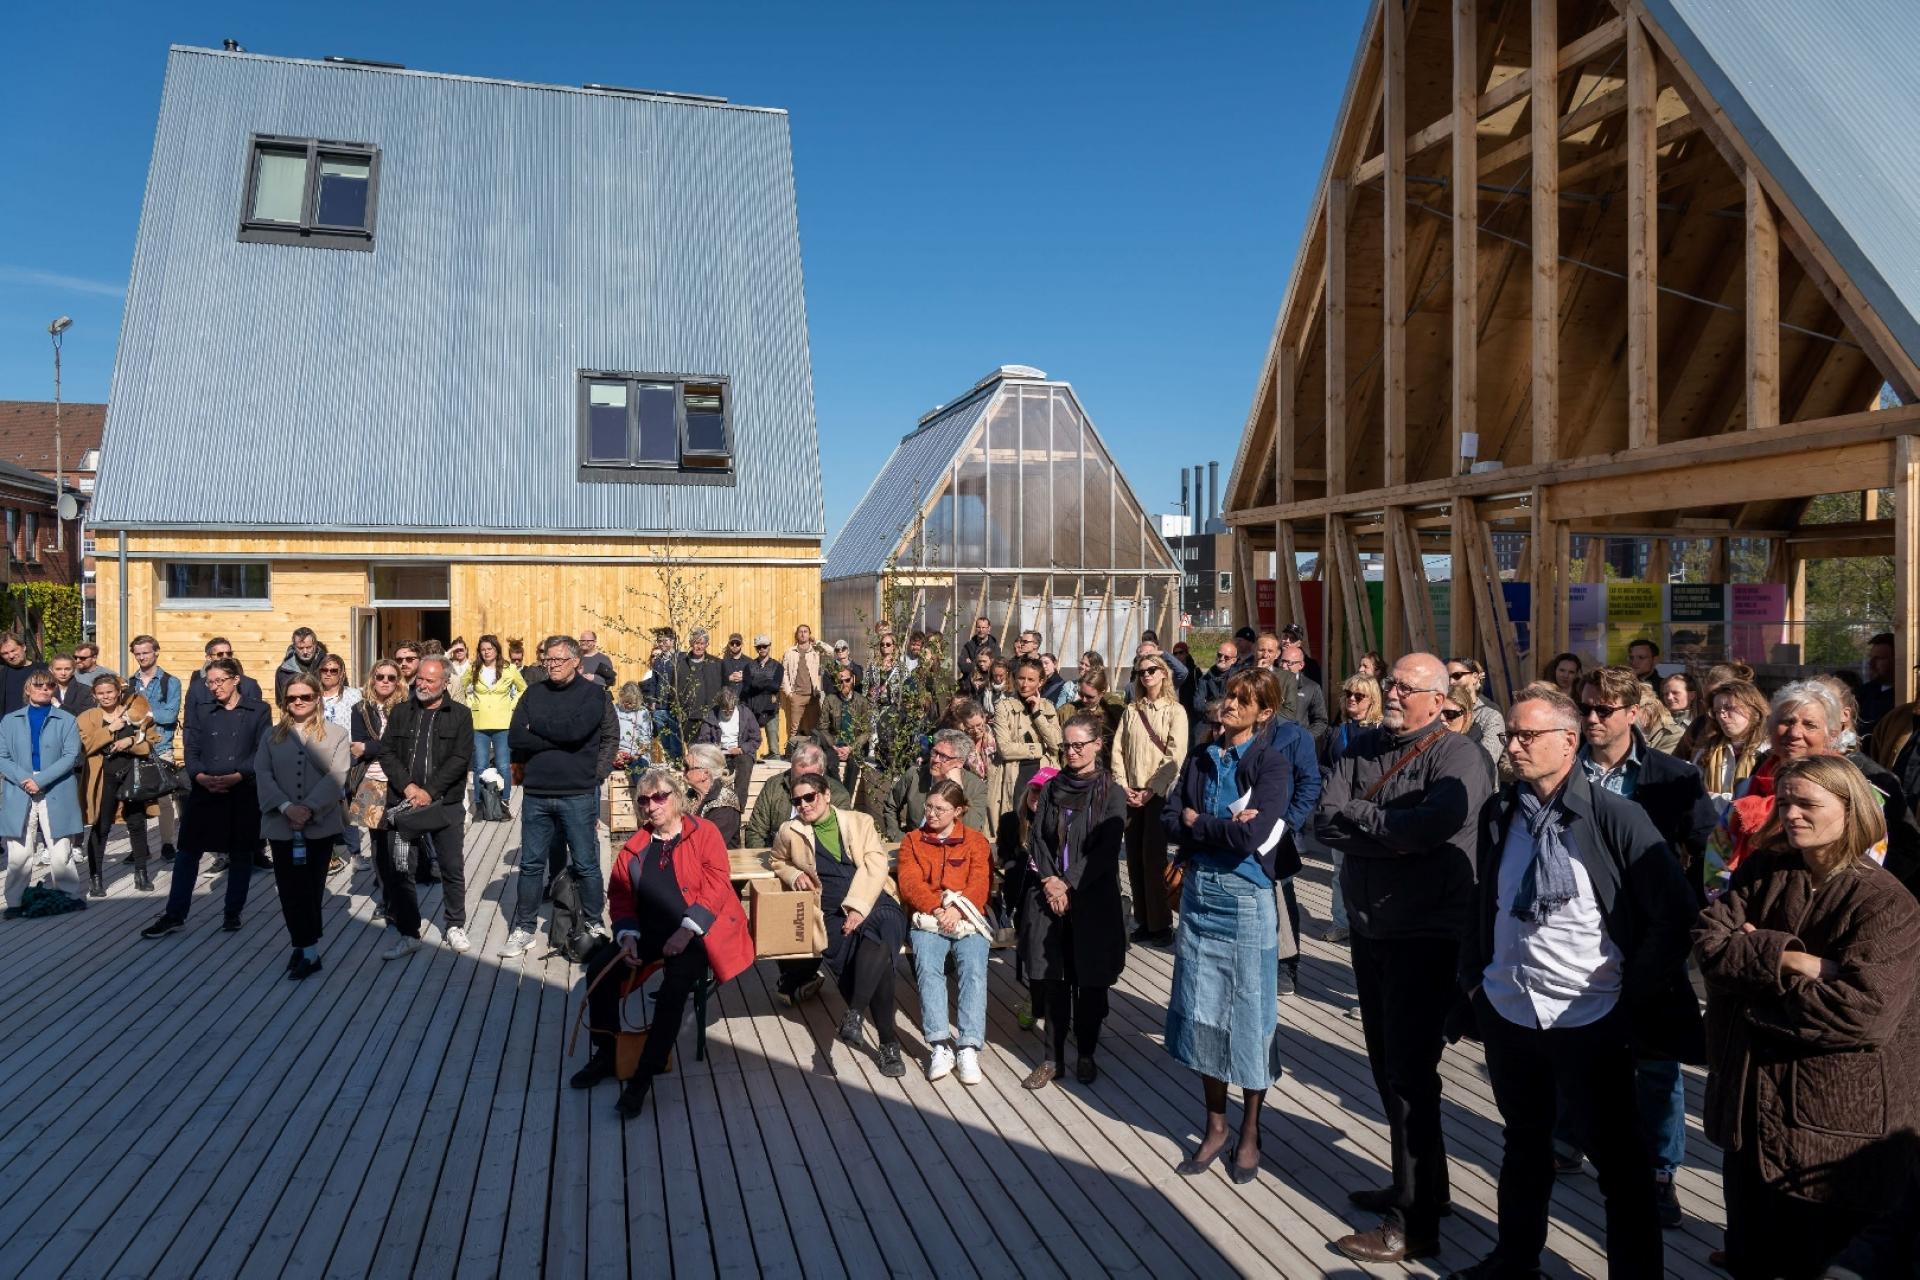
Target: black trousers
678	977
1529	1067
868	987
1771	1236
391	859
1406	987
136	819
302	888
1147	867
1083	1010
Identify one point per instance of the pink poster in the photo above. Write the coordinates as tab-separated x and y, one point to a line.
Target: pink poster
1759	621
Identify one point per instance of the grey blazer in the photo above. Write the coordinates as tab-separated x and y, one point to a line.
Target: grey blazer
301	770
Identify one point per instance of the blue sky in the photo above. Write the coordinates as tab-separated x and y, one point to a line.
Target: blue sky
1113	192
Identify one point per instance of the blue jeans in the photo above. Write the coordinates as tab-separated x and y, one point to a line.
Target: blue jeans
1339	898
549	826
930	952
1662	1099
490	748
186	870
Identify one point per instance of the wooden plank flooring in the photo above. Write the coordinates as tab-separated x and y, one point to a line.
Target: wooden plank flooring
177	1109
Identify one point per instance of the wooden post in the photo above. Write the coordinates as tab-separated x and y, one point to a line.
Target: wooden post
1719	563
1395	637
1659	560
1596	559
1333	656
1393	288
1763	308
1285	423
1906	566
1643	240
1544	108
1287	569
1466	239
1548	575
1336	335
1465	618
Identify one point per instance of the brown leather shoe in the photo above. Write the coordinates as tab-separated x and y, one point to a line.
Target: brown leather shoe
1386	1243
1041	1076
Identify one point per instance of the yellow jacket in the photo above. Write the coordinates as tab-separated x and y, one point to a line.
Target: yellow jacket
1137	762
492	704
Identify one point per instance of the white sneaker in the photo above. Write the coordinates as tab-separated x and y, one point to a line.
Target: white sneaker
401	949
457	939
941	1063
517	943
969	1070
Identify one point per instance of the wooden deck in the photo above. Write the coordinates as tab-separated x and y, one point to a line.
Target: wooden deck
177	1108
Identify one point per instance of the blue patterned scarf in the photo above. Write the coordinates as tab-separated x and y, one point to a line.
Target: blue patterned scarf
1548	883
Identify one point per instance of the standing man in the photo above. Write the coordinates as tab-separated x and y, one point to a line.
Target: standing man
224	731
69	694
1613	756
1401	806
86	663
982	640
1876	689
1642	655
596	665
14	670
1310	697
1580	929
800	688
303	658
1294	633
219	649
164	697
426	752
733	666
1212	684
1026	645
406	656
762	681
699	676
555	742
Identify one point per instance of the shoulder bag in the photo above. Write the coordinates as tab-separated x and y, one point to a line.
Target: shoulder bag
148	779
1413	752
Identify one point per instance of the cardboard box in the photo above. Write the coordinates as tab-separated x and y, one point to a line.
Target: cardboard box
778	918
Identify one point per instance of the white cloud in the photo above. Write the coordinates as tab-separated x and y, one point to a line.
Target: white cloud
54	280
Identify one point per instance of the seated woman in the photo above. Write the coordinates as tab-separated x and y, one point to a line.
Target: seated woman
856	923
1811	958
946	873
114	732
711	791
671	897
730	726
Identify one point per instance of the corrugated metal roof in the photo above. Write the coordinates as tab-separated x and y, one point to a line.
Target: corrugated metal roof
1823	94
902	488
524	233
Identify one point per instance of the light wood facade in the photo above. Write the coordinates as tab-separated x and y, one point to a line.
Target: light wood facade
513	587
1542	247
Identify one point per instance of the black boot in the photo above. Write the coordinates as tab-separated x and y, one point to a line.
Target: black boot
634	1096
599	1067
141	879
96	886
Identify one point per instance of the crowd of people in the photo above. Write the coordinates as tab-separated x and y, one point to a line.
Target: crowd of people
1549	878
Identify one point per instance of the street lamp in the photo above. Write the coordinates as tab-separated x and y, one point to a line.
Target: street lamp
58	330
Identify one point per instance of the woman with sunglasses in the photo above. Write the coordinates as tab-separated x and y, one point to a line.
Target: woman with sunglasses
1147	756
1359	711
300	769
337	701
1466	677
856	923
367	724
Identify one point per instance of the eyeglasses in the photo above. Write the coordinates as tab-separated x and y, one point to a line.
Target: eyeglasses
1071	745
555	662
1598	710
1527	737
1458	675
943	757
295	699
221	653
763	646
656	797
1390	684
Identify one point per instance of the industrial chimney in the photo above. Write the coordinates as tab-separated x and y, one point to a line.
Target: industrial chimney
1213	495
1185	510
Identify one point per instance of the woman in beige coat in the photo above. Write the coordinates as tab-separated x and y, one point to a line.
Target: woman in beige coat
114	732
1026	729
301	773
1147	755
856	922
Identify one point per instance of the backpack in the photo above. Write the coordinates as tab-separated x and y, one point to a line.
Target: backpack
487	804
568	930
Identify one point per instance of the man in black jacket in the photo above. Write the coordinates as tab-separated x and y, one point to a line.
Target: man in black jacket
305	653
982	639
698	677
556	741
426	751
1311	698
1575	964
1401	806
14	670
762	697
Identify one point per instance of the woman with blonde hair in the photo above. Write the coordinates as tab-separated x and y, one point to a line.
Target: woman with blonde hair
490	687
1147	755
1811	958
114	732
1733	737
367	724
1656	725
300	769
1360	708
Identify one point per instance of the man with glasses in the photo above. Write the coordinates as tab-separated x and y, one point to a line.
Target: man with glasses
555	741
86	663
775	802
1401	807
224	731
946	758
164	695
220	649
761	683
426	751
596	665
1309	697
1580	930
1614	756
406	656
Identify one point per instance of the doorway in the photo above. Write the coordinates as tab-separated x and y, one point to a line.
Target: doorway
409	602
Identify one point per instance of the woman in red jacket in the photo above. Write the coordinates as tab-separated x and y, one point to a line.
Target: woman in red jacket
946	872
672	899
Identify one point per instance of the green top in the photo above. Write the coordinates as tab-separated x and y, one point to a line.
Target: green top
827	833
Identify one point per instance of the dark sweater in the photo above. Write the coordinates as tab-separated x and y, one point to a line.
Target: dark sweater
555	737
222	740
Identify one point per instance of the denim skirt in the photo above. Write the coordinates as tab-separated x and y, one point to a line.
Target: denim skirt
1222	1018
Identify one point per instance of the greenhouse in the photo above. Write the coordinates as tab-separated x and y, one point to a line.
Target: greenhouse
1004	504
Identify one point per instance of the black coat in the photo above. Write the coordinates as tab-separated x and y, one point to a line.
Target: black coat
697	684
1096	927
1643	897
1265	776
438	761
762	687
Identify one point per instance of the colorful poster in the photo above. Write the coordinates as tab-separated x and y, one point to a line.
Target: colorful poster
1696	602
1586	622
1759	612
1633	613
1696	623
1263	608
1311	594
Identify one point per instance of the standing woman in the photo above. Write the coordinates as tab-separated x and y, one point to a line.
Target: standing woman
1222	1017
1151	746
1072	927
490	687
1466	677
301	772
458	664
369	723
39	758
1811	959
1733	740
114	732
946	873
1359	711
337	701
1680	692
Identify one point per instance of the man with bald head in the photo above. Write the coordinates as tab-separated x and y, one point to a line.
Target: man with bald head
1402	806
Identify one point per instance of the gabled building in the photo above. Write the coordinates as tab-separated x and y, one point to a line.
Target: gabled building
411	355
69	452
1577	272
1006	504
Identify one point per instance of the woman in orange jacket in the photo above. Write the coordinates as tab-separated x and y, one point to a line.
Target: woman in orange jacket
946	872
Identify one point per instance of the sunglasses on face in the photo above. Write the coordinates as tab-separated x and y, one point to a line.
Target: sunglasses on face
1451	714
1356	697
806	797
1598	710
385	677
657	797
298	699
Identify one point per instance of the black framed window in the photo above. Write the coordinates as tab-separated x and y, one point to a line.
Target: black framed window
33	538
310	191
201	584
648	426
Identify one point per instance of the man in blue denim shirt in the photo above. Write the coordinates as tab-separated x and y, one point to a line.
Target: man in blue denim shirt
163	693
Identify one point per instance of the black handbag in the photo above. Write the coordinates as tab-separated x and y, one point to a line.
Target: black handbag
148	779
417	819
